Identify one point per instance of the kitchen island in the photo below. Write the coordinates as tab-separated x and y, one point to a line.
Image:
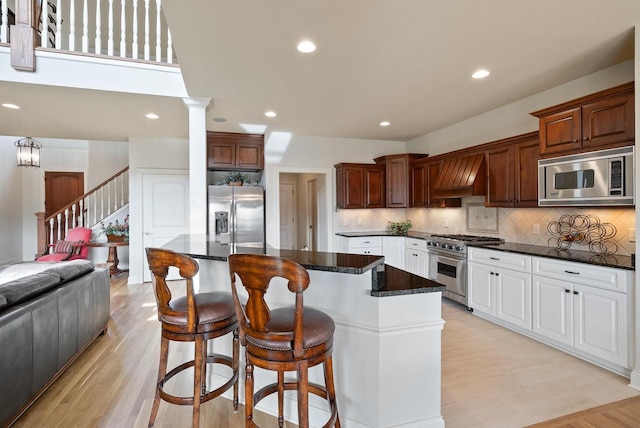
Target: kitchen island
387	343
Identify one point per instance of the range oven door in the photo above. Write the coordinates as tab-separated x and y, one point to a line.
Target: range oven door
450	272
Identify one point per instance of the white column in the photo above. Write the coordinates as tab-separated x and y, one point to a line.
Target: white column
197	163
635	328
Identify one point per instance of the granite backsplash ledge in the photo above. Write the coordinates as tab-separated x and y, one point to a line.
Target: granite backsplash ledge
513	224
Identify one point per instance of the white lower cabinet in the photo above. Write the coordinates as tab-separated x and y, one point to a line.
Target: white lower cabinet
393	251
391	247
416	257
589	319
498	292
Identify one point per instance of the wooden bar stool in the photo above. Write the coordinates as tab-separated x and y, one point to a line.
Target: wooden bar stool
197	317
282	339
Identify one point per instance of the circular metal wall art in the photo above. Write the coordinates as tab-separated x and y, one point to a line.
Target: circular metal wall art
584	230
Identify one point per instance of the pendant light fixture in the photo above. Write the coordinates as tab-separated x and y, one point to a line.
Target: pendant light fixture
28	152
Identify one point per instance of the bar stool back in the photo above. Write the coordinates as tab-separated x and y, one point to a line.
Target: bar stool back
196	317
282	339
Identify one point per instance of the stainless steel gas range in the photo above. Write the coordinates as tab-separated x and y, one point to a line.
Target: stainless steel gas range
448	262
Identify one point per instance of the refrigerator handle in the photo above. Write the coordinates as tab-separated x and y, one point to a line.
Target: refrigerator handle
232	226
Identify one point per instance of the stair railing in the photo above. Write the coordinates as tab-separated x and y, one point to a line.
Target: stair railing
85	211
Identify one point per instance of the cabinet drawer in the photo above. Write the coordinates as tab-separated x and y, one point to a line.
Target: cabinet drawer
416	244
502	259
365	241
370	251
581	273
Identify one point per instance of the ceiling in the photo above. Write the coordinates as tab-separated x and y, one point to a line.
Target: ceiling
408	62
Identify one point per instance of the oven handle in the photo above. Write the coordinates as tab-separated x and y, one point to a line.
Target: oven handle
451	259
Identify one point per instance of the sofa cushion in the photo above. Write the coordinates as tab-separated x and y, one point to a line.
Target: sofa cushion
15	271
3	302
71	269
28	287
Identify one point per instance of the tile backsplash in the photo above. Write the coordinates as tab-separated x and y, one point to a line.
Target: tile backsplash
513	224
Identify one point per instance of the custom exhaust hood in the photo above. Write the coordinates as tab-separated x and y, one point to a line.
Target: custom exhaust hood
461	176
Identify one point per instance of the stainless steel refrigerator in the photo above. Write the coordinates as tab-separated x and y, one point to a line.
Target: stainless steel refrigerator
236	215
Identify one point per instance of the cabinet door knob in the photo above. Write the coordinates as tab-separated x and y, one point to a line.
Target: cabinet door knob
566	290
576	293
575	140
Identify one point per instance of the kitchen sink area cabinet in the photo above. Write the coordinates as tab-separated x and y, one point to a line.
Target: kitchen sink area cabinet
235	151
499	286
583	307
360	186
391	247
398	171
597	121
417	257
512	172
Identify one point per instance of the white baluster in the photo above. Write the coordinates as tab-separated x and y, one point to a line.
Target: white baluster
72	25
73	217
59	218
102	203
158	32
50	235
44	15
66	222
85	27
169	47
98	40
59	24
134	35
82	221
146	30
110	39
122	190
123	26
95	207
4	27
108	198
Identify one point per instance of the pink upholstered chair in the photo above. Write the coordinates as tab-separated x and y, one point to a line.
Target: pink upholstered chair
72	247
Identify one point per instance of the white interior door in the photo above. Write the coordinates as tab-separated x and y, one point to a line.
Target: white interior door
287	216
312	213
165	211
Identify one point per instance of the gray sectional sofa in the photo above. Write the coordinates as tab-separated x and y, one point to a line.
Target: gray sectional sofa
49	313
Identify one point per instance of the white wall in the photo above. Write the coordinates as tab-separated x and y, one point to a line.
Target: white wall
514	119
11	192
105	159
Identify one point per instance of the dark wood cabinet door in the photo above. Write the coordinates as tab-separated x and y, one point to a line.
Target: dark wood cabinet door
561	132
608	121
354	187
527	154
374	178
396	183
221	155
499	176
249	155
419	184
432	171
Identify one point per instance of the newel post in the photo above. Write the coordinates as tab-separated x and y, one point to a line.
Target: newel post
23	36
42	235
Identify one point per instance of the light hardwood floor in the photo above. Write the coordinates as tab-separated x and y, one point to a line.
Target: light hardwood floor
491	377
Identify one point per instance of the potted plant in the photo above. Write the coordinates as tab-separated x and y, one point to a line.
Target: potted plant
399	228
235	178
116	231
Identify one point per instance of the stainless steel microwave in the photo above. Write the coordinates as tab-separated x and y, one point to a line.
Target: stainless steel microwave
597	178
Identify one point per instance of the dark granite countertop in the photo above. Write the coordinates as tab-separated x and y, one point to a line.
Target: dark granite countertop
391	281
608	260
410	234
386	280
205	247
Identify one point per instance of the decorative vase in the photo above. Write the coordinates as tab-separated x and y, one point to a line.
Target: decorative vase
114	238
236	183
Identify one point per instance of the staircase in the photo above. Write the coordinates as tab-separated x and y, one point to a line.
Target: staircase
87	211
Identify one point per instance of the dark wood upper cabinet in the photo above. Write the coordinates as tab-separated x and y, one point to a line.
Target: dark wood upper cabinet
512	171
360	186
398	173
227	150
598	121
424	173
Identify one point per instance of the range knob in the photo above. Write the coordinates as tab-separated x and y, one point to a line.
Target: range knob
450	246
459	248
429	243
436	244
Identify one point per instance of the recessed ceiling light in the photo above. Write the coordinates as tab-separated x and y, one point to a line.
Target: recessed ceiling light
306	46
385	123
219	119
271	114
13	106
480	74
152	116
